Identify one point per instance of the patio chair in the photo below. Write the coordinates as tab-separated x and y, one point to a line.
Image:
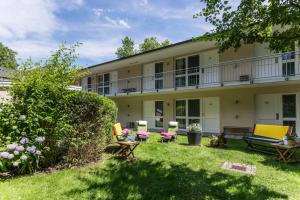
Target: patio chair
121	135
142	130
171	134
265	135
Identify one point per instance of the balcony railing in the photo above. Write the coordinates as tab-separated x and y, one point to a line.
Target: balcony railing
272	68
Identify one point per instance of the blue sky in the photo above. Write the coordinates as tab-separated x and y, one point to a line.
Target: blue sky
33	28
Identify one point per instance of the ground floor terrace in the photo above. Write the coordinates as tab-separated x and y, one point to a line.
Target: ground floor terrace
165	171
215	109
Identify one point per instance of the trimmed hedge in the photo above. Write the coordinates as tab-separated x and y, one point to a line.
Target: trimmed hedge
91	117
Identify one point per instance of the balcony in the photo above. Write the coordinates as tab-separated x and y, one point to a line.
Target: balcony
266	69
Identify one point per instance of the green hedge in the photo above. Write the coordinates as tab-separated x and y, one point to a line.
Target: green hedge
91	117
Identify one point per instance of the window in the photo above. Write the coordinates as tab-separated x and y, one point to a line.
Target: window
187	112
89	83
159	113
104	84
180	72
289	106
159	68
288	63
189	75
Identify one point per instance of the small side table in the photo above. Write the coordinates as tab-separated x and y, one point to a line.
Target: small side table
285	152
127	148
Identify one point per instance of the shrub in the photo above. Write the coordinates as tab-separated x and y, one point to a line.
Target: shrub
91	117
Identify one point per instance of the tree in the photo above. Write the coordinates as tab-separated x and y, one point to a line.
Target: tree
276	22
7	57
152	43
127	48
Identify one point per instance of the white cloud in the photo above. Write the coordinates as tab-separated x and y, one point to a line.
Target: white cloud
77	2
95	49
98	11
117	22
21	19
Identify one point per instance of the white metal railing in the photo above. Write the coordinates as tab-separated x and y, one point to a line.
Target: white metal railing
271	68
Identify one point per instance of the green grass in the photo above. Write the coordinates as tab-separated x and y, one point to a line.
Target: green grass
165	171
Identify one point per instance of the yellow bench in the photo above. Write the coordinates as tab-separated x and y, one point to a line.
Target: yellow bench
264	135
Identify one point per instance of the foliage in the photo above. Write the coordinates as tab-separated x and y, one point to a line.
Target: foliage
152	43
264	21
194	127
7	57
39	93
127	48
91	117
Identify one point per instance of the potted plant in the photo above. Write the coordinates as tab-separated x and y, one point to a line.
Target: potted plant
194	134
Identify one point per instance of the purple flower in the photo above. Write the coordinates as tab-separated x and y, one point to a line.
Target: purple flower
19	148
10	156
22	117
24	140
23	157
15	164
11	147
40	139
4	155
31	149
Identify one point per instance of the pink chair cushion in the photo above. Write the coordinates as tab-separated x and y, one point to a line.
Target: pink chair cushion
167	134
126	131
143	133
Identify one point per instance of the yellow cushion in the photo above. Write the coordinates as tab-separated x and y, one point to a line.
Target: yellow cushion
271	131
117	129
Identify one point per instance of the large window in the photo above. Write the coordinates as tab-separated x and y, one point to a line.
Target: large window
159	68
159	114
104	84
288	63
187	75
89	83
187	112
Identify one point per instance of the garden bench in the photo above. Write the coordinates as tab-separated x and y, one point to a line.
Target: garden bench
264	136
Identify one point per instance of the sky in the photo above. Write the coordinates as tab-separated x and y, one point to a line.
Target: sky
35	28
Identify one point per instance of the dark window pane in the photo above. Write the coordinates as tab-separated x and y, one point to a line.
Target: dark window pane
159	68
159	108
194	108
193	80
193	64
288	56
100	80
180	66
159	122
100	91
181	108
106	79
289	105
159	84
181	123
180	81
288	69
106	90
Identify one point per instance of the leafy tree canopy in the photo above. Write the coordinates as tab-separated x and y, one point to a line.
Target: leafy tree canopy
127	48
276	22
7	57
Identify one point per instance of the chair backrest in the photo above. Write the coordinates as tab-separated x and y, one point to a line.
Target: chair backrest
271	131
173	127
117	130
142	125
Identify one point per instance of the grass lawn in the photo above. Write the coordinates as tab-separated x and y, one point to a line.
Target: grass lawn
165	171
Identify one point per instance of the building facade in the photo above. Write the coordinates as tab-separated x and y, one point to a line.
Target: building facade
191	82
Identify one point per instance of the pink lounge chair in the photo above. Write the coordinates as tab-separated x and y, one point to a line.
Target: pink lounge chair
142	130
171	134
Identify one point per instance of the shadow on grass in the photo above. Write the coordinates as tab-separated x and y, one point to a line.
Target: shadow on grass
157	180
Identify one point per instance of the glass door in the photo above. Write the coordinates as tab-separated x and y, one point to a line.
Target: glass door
289	106
159	79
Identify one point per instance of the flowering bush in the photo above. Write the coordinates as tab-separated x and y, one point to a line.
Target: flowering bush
22	156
